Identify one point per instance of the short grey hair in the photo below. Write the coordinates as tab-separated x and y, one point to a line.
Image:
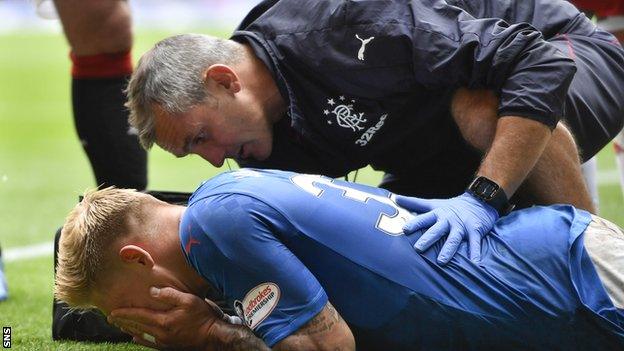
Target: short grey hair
170	75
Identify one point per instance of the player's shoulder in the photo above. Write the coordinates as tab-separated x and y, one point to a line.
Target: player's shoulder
245	181
230	215
236	199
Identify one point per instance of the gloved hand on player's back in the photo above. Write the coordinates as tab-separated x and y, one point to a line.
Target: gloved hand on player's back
461	217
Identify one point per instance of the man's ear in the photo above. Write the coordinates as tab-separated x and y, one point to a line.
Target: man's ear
224	76
135	255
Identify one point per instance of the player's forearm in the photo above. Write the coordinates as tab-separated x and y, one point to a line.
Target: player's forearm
518	144
224	336
327	331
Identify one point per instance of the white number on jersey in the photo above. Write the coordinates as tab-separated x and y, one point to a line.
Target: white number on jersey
391	224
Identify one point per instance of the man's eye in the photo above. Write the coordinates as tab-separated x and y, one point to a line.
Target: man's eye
199	139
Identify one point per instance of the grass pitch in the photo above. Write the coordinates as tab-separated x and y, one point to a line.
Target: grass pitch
43	170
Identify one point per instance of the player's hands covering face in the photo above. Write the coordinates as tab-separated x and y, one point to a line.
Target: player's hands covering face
185	325
462	217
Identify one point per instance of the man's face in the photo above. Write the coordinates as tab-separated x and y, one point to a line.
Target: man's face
215	132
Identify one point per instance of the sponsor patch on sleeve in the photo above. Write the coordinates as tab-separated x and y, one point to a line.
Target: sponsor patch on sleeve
257	304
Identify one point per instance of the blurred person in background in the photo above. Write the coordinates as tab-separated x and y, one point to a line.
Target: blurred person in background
610	16
100	37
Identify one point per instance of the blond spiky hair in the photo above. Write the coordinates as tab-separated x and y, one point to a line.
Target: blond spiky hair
90	229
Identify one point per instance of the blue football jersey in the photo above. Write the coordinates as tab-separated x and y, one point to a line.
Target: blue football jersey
280	245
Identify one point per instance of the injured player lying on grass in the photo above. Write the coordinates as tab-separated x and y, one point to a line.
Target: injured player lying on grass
312	263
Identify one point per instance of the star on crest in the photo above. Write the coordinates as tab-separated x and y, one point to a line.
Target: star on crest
326	112
331	102
342	98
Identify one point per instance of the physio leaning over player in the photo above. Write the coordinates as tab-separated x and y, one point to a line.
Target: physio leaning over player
287	93
100	37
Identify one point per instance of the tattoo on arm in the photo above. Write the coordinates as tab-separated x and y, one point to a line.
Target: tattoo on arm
325	331
322	322
229	337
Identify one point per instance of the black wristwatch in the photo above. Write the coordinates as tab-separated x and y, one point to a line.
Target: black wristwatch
491	193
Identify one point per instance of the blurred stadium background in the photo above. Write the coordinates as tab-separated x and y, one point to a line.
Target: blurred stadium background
43	168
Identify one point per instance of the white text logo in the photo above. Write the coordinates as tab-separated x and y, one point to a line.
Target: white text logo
363	47
370	132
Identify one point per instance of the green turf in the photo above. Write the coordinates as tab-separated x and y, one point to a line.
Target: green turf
29	309
43	170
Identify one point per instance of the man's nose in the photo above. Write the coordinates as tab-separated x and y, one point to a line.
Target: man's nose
213	155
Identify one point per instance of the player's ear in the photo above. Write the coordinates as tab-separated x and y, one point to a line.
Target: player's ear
224	76
135	254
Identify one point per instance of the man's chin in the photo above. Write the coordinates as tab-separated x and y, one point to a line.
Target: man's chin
255	156
263	154
260	158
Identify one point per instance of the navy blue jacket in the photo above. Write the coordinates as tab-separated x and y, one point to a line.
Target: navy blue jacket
362	77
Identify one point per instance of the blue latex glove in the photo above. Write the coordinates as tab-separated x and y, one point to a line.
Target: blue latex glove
460	217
